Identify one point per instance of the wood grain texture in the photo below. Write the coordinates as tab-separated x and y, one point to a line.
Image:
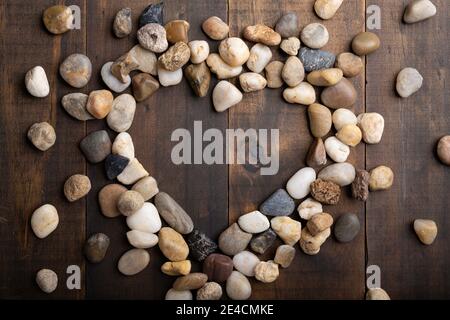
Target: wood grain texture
327	275
31	177
410	270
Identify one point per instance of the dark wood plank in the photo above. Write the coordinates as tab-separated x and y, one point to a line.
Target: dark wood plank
33	178
329	274
200	189
413	126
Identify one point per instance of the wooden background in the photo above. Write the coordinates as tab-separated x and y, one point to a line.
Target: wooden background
216	195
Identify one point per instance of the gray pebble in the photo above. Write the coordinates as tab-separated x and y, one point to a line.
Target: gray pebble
287	25
347	227
122	23
96	146
316	59
75	105
278	204
96	247
173	213
263	241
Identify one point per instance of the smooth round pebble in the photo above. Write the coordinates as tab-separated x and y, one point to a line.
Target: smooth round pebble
298	185
173	294
326	9
199	51
260	56
293	72
336	150
99	103
287	25
342	174
365	43
108	197
36	82
238	287
409	81
123	145
251	81
172	244
317	155
96	247
215	28
254	222
381	178
76	70
443	150
75	105
177	31
347	227
96	146
76	187
315	35
303	94
372	127
44	220
191	281
350	64
233	240
169	78
426	230
225	95
145	219
42	135
278	203
350	134
419	10
122	113
245	262
341	95
142	240
319	120
147	187
173	213
130	202
218	267
273	74
377	294
309	208
58	19
47	280
133	261
342	117
234	51
132	173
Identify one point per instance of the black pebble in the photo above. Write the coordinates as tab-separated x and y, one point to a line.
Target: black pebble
114	165
152	14
316	59
264	241
200	246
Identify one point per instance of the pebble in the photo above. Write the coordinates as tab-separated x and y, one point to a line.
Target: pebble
298	185
130	202
347	227
337	150
289	230
200	245
326	9
260	56
177	30
251	81
316	156
290	46
99	103
96	146
238	287
153	37
122	67
409	81
76	187
146	60
210	291
169	78
121	116
173	294
320	222
133	261
342	174
254	222
123	25
273	74
443	150
350	134
267	272
199	78
44	220
303	94
218	267
145	219
108	197
341	95
123	145
199	51
215	28
176	268
372	127
319	120
233	240
173	213
42	135
326	192
315	35
175	57
96	247
147	187
293	72
76	70
311	244
381	178
262	34
316	59
377	294
154	13
309	208
192	281
111	81
234	51
325	77
278	204
132	173
350	64
360	186
144	86
58	19
47	280
225	95
365	43
220	68
75	105
172	245
36	82
284	255
342	117
287	25
142	240
419	10
426	230
264	241
245	262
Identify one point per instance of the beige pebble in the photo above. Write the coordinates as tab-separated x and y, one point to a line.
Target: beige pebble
260	56
325	77
215	28
350	64
381	178
293	72
262	34
133	172
172	244
377	294
372	127
129	202
234	51
426	230
290	46
289	230
443	150
108	197
320	222
147	187
133	261
251	81
176	268
350	134
315	35
419	10
220	68
266	272
326	9
342	117
225	95
42	135
47	280
284	255
273	74
199	51
319	120
210	291
44	220
303	94
76	187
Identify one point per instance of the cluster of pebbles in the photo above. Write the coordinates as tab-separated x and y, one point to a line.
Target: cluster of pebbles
158	60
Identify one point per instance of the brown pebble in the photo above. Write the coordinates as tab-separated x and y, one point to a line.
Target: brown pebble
144	86
341	95
175	57
108	197
326	192
122	67
273	74
443	150
96	247
58	19
317	155
365	43
262	34
215	28
177	30
76	187
360	186
350	64
42	135
319	223
192	281
99	103
199	77
218	267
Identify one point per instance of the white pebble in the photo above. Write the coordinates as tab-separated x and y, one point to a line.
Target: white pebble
44	220
142	240
260	56
111	81
337	150
173	294
303	94
299	184
169	78
37	83
409	81
145	219
121	116
238	287
199	51
254	222
123	145
225	95
342	174
133	172
342	117
309	208
245	262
